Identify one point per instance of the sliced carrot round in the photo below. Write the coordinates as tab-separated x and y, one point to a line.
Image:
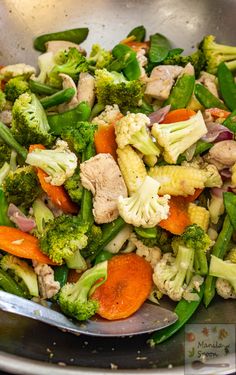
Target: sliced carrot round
178	218
177	115
128	285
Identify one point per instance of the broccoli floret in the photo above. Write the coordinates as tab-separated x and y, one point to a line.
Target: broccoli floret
15	87
42	215
79	136
132	130
21	187
74	298
171	274
22	273
63	237
177	137
224	270
231	256
2	100
74	187
5	154
216	53
29	123
162	239
70	62
59	163
196	239
113	88
197	59
144	208
99	57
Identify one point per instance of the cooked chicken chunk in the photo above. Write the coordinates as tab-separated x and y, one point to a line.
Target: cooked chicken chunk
142	60
48	287
222	154
67	82
161	81
101	175
86	88
209	81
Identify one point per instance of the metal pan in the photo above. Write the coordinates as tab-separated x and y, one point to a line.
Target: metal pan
29	347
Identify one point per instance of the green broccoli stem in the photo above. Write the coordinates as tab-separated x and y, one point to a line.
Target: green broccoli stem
58	122
40	88
223	270
76	261
59	97
184	310
4	172
219	249
8	138
4	219
206	98
200	262
8	284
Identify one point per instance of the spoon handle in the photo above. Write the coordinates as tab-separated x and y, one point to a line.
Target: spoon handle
216	364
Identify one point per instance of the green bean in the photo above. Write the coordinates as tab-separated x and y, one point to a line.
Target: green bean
8	138
146	232
230	121
41	88
184	310
59	97
8	284
206	98
227	86
230	207
139	32
72	35
182	92
219	249
61	274
159	48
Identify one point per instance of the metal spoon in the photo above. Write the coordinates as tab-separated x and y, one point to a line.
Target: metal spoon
198	365
147	319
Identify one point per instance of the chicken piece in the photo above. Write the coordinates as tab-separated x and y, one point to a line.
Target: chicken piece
57	45
161	81
188	69
151	254
67	82
209	81
222	154
86	88
48	287
142	60
10	71
102	176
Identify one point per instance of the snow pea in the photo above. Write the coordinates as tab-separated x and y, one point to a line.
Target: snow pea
139	32
102	256
4	219
41	88
132	71
146	232
7	137
61	274
230	121
123	55
96	110
73	35
57	98
159	48
227	86
202	146
230	207
184	310
59	121
206	98
219	249
181	92
8	284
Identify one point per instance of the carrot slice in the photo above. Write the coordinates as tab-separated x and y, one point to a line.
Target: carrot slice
218	113
128	284
136	46
57	194
105	139
192	198
177	115
22	245
178	218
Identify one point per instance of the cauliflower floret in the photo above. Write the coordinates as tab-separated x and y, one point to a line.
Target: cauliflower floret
10	71
224	289
110	114
59	163
144	208
151	254
132	130
142	60
48	287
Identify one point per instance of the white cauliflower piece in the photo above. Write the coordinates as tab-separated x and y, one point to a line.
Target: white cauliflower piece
48	287
224	289
132	129
6	117
10	71
110	114
59	163
46	62
151	254
144	208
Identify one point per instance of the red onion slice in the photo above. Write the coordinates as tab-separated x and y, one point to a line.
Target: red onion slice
22	222
159	115
217	133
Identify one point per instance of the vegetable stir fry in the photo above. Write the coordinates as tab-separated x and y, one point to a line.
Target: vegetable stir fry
118	176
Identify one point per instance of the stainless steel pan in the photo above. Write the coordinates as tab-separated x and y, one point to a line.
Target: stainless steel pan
29	347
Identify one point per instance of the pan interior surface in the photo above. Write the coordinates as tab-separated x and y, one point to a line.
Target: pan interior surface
184	22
